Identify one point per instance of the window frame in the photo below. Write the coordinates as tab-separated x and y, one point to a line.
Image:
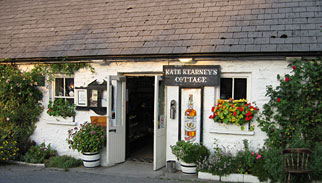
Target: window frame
53	90
247	76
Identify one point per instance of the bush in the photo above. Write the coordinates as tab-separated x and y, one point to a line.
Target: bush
38	154
20	104
295	105
63	162
8	149
316	162
190	152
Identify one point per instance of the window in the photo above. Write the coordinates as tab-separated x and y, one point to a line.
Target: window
64	88
235	88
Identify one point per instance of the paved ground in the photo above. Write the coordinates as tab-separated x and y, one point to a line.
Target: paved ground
128	172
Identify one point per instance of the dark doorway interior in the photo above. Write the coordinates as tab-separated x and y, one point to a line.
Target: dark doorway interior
139	124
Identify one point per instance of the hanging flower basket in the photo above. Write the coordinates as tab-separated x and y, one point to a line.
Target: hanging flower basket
237	112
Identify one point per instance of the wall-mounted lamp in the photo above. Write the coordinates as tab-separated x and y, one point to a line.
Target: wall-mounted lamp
186	60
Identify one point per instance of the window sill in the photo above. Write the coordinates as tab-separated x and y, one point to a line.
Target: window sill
218	128
61	121
232	132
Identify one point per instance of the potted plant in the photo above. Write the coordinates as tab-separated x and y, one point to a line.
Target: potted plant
189	154
89	140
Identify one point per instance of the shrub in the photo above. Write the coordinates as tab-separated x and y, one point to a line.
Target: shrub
63	162
20	104
8	149
295	105
39	153
190	152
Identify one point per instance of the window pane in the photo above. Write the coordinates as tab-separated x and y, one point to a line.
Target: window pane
69	87
226	88
59	87
240	88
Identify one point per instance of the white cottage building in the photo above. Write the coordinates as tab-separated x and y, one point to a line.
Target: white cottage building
141	85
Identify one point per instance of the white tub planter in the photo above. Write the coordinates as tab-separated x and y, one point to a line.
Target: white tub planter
188	168
208	176
91	160
251	179
230	178
233	178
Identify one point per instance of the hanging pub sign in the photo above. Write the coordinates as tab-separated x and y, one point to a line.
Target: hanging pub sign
191	75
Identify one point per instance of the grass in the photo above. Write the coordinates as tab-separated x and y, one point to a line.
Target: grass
63	162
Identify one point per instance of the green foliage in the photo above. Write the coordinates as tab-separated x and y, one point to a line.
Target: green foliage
8	149
63	162
190	152
223	162
237	112
295	105
39	153
61	107
61	68
20	104
316	162
89	138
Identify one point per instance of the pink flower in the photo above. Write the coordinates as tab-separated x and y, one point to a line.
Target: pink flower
253	153
258	157
8	80
93	132
287	79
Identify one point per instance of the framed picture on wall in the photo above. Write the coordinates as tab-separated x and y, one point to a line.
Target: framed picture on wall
190	114
81	97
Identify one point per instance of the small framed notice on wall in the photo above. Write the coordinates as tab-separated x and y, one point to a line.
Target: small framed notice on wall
81	97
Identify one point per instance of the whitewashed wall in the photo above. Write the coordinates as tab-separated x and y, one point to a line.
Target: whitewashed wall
262	73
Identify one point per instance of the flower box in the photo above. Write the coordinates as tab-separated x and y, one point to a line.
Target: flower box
230	178
208	176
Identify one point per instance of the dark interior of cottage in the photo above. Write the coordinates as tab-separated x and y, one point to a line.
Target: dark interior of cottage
139	124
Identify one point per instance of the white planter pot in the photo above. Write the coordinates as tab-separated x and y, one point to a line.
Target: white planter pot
188	168
91	160
208	176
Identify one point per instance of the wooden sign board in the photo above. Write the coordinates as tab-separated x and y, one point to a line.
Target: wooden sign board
100	120
191	75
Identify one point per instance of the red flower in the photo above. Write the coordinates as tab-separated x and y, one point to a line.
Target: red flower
287	79
278	99
272	129
211	117
213	109
294	67
49	110
247	118
235	113
241	109
256	109
249	113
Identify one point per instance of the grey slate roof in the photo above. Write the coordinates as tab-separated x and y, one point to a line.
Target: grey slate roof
51	28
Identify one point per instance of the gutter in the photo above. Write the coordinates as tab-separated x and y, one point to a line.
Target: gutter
163	57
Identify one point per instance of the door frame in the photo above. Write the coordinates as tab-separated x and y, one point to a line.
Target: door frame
152	74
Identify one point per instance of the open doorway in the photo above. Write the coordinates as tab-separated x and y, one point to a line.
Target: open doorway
139	121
